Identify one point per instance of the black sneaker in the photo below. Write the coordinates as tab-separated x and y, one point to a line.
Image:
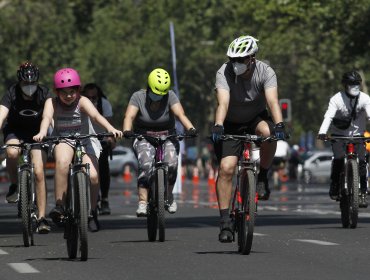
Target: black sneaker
362	201
93	222
263	189
12	195
334	191
43	226
57	215
226	231
104	207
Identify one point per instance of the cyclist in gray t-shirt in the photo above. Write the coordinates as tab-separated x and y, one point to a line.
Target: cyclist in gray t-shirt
245	87
153	111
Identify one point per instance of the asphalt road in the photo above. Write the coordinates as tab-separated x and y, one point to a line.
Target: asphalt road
298	235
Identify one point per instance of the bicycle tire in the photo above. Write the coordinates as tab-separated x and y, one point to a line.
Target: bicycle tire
71	226
24	199
81	185
152	222
353	185
160	201
248	214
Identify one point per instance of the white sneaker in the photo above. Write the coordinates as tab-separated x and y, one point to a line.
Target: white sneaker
142	209
172	208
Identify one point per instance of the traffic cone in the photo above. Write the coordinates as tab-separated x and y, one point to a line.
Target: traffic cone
126	176
195	175
183	173
211	177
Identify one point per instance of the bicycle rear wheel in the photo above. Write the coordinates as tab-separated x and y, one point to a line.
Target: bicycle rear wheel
82	207
24	200
248	213
353	186
160	184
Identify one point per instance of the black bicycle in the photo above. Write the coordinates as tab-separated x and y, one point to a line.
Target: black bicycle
245	197
349	183
158	191
77	206
27	208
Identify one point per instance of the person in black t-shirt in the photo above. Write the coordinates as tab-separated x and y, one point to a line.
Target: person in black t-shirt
21	110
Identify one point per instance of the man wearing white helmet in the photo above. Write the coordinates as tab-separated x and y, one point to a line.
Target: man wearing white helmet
348	111
245	87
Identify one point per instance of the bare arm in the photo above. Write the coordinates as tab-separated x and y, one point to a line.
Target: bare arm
89	108
47	119
178	111
4	111
223	99
130	115
273	104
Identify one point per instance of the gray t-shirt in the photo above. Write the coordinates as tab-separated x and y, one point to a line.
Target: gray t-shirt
247	97
149	120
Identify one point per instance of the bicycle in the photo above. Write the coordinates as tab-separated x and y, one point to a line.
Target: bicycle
77	205
349	182
158	191
27	208
245	197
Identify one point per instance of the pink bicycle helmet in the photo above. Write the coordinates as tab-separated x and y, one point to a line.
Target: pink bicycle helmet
66	77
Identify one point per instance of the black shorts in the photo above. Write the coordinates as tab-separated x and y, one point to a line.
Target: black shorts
234	148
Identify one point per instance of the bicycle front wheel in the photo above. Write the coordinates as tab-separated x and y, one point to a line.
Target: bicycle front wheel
81	184
160	184
353	187
248	214
152	222
24	200
71	225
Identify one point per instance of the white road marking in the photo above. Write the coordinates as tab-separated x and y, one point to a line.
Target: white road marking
2	252
258	234
128	216
23	268
317	242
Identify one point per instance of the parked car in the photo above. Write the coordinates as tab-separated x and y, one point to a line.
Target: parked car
317	166
122	157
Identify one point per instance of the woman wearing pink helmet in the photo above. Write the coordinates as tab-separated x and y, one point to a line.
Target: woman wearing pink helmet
70	113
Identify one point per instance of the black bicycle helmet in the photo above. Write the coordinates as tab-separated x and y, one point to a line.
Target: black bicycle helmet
28	72
351	78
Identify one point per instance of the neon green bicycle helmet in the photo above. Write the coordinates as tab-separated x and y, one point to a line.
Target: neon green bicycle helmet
159	81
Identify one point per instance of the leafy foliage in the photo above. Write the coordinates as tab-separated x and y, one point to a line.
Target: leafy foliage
116	43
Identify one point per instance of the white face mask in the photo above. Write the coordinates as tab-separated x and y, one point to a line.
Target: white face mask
155	97
29	90
239	68
353	90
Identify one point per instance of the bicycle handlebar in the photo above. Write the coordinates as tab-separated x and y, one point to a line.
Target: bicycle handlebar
248	138
161	137
22	145
354	139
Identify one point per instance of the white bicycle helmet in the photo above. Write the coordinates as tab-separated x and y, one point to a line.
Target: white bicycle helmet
242	46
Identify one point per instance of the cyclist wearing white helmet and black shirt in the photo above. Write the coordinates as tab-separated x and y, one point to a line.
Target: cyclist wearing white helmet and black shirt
21	110
245	87
348	111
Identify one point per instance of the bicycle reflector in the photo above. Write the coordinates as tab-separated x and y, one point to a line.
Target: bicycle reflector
350	148
246	153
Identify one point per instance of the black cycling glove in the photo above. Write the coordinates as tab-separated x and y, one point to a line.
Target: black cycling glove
217	132
280	132
191	132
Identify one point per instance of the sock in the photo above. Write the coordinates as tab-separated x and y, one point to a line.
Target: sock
262	174
225	215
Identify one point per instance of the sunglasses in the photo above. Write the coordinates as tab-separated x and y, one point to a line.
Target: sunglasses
241	59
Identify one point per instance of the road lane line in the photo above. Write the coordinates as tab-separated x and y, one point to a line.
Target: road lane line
317	242
2	252
23	268
258	234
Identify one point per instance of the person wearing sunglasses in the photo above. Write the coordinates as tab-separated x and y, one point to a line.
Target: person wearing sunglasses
245	87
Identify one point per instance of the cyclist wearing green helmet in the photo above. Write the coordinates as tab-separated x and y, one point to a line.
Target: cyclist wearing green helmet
244	87
153	111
